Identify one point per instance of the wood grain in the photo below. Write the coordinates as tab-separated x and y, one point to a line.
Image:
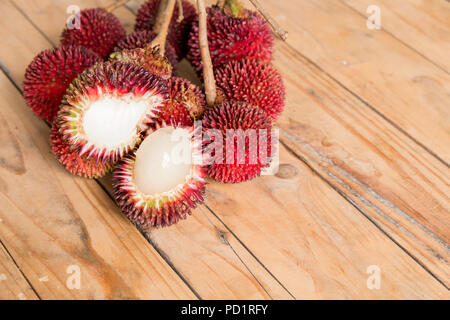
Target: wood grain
51	220
13	285
250	279
316	248
389	77
400	187
422	25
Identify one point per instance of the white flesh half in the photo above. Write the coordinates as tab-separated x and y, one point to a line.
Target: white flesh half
163	160
111	121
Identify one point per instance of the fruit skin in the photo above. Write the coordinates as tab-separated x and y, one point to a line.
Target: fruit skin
253	82
159	210
82	166
235	115
49	75
99	31
149	59
232	38
186	103
178	31
108	78
140	38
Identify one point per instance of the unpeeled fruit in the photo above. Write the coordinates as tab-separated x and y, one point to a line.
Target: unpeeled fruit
49	75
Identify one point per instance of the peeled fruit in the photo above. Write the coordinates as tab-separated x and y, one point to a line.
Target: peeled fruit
161	183
237	141
253	82
98	30
50	74
108	107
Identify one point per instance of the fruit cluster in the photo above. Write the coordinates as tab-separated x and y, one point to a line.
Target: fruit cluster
115	103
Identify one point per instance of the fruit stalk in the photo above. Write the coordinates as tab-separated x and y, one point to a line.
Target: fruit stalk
180	11
208	73
275	27
115	5
165	16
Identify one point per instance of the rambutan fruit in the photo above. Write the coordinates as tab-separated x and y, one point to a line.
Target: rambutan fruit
140	38
230	37
99	31
178	31
161	183
237	141
148	58
80	165
49	75
186	103
108	107
253	82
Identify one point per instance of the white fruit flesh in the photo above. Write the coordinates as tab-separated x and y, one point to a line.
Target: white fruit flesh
163	160
112	121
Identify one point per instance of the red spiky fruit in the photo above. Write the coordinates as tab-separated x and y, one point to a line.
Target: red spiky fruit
253	82
154	188
82	166
232	38
98	30
147	58
237	141
186	103
108	106
140	38
178	31
49	75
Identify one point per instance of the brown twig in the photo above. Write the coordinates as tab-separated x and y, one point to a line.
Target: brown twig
180	11
115	5
276	28
208	73
159	16
160	39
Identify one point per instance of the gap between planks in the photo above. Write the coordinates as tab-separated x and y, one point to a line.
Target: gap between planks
145	234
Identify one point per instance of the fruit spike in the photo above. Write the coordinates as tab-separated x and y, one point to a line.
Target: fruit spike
253	82
152	187
178	31
232	38
186	103
148	58
139	39
108	106
236	164
99	31
82	166
50	74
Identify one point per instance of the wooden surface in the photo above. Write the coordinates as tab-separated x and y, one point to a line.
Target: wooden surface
364	177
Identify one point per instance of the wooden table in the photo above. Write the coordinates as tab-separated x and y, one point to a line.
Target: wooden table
362	191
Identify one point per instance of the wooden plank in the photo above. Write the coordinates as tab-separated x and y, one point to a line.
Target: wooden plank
423	25
249	278
291	266
393	181
393	79
51	221
13	285
314	240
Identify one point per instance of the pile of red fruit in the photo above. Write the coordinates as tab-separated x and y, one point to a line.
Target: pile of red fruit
115	103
